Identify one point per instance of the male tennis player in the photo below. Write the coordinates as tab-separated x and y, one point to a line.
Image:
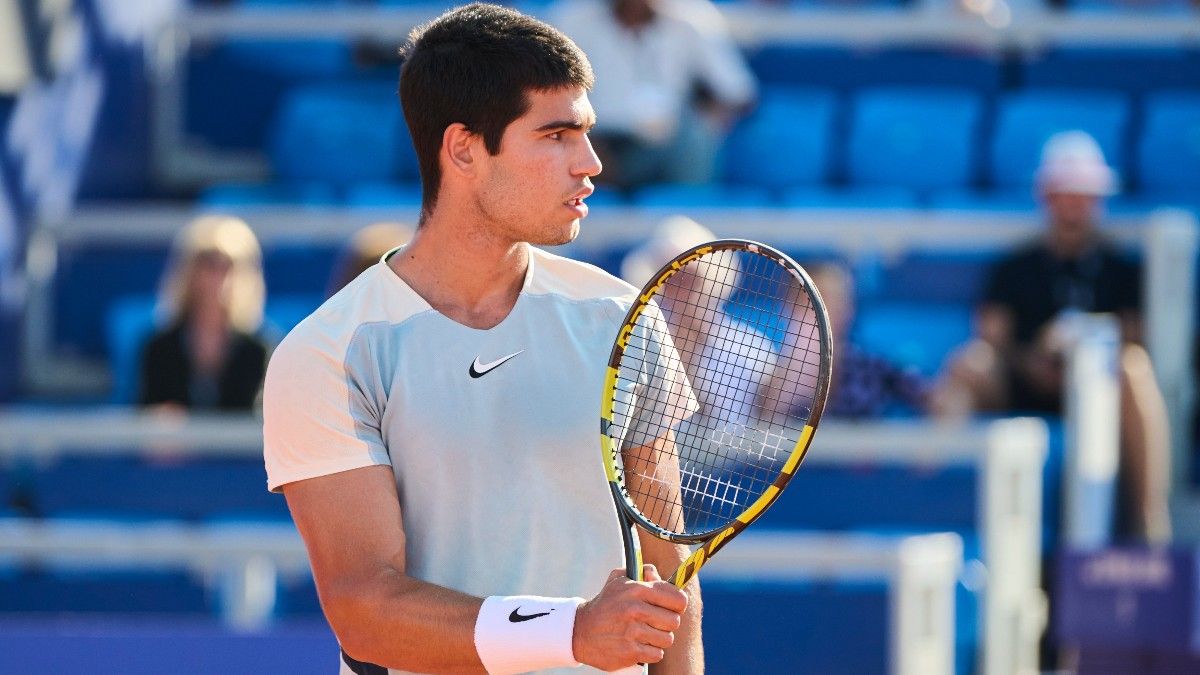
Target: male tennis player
434	424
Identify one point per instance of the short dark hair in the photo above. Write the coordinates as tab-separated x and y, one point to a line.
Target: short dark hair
476	65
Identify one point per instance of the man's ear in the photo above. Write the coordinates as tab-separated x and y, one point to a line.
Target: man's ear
459	147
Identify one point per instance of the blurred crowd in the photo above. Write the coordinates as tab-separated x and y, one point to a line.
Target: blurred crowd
210	353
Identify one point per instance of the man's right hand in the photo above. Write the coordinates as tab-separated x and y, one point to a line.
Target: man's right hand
628	622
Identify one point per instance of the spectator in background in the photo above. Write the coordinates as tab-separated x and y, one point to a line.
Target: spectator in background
1016	362
669	82
208	356
750	354
366	247
864	385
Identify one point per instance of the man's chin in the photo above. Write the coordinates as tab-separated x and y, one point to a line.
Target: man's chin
564	235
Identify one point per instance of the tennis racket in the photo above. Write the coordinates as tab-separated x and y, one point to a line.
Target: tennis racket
714	389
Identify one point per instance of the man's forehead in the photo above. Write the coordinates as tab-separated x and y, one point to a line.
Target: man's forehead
569	104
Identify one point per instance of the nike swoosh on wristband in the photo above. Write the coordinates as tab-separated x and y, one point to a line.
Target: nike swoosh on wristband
517	617
478	369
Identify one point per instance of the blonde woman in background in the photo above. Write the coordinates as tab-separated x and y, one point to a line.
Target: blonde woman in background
208	354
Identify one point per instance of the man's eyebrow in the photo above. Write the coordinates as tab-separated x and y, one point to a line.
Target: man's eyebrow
567	124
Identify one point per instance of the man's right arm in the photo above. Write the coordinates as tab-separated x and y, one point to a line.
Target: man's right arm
352	526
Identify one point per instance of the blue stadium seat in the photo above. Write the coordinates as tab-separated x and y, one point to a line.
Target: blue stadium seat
1013	201
129	323
951	277
917	335
921	139
1133	7
283	312
848	70
1168	154
301	268
683	196
373	195
1127	69
118	592
882	496
233	88
786	142
272	194
850	198
339	134
831	613
89	279
1026	119
125	486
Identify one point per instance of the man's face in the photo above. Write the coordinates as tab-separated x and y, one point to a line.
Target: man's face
533	189
1072	217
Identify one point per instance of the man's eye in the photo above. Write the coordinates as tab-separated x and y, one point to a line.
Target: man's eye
556	136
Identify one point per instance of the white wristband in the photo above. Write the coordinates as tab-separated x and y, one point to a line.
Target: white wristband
523	633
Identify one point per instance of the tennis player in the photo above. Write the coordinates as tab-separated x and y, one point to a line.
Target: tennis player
433	425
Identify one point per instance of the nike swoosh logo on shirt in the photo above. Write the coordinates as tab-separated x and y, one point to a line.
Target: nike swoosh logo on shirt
516	617
478	369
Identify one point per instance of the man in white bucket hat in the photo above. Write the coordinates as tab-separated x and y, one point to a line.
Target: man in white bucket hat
1015	363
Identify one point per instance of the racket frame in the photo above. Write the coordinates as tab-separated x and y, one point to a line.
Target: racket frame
628	514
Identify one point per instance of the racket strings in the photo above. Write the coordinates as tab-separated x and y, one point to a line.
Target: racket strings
715	388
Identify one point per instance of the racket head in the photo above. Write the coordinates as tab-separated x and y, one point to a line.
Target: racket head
740	329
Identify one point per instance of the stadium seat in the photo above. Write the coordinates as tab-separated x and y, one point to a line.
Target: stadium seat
135	487
1013	201
921	139
848	70
339	134
299	268
376	195
282	313
925	277
1026	119
90	278
917	335
880	496
129	323
850	198
234	88
831	613
787	141
1132	70
1133	7
1168	153
684	196
272	194
117	592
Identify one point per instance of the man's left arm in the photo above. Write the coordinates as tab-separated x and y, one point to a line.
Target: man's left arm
686	656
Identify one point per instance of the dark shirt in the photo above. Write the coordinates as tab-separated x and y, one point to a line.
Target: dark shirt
865	385
167	375
1035	286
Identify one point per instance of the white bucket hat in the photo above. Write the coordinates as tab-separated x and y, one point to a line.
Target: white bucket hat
1073	163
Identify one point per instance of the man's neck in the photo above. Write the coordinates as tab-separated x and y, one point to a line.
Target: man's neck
463	270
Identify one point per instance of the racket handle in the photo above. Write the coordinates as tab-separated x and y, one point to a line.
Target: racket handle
631	670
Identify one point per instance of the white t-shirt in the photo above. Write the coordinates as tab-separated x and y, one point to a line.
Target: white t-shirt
645	78
493	435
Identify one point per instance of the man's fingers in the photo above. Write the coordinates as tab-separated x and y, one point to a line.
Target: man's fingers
654	637
649	654
667	596
659	618
650	573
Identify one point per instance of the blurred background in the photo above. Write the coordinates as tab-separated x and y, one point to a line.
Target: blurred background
999	199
